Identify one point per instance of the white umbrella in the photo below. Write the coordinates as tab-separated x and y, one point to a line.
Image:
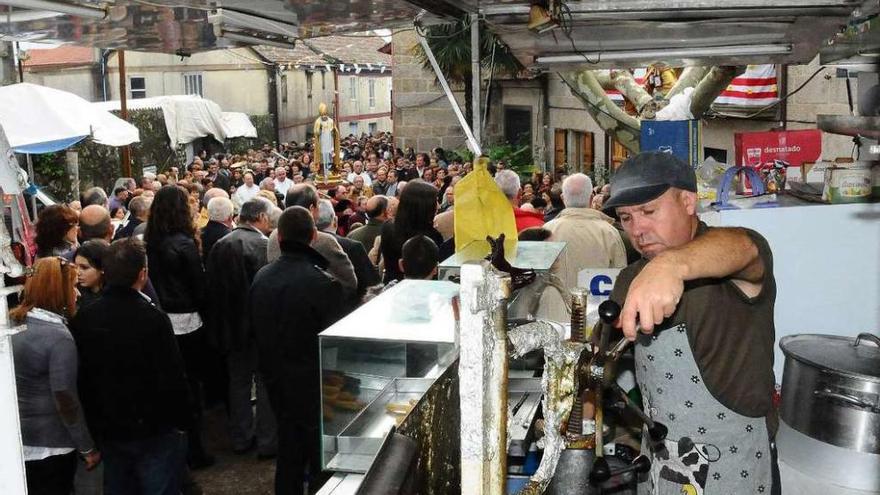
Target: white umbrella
38	119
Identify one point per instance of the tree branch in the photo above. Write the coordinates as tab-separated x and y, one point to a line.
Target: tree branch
631	90
689	78
623	81
712	84
614	121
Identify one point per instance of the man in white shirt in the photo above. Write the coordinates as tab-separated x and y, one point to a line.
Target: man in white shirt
246	191
282	183
358	171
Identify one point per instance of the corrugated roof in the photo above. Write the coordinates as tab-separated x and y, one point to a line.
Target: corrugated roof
62	56
347	49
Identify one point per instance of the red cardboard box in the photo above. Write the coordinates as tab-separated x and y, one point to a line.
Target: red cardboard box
795	147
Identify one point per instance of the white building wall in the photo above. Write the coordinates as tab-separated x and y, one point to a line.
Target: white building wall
79	81
234	79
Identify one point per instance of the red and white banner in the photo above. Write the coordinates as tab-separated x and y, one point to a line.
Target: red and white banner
756	88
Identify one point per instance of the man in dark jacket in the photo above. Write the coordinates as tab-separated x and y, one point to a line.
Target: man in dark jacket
133	386
219	224
232	265
139	209
289	303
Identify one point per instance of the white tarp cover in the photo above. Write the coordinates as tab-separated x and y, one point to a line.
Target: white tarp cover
187	117
238	124
33	115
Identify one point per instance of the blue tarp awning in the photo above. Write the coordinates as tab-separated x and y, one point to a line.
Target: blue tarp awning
49	146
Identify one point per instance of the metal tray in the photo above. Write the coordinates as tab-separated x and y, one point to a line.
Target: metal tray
354	448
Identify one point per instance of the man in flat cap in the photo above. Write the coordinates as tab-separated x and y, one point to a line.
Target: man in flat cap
700	306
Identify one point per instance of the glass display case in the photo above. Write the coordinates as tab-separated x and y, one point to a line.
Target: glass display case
377	362
534	255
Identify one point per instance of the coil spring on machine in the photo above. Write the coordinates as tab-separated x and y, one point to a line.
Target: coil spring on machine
578	334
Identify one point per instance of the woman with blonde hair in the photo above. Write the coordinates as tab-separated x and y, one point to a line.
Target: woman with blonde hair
53	430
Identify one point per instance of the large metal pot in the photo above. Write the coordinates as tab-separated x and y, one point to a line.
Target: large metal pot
831	389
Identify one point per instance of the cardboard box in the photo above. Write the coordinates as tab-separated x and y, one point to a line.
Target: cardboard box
793	147
682	138
852	184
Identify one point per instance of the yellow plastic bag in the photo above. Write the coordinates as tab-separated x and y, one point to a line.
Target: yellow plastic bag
481	210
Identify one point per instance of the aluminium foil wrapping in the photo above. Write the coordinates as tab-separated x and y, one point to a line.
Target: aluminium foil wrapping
558	385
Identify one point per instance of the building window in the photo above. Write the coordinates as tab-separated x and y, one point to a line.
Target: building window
192	84
137	87
309	84
372	93
373	127
353	128
352	88
283	88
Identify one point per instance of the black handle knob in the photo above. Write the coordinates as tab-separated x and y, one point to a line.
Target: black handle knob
658	432
601	471
609	311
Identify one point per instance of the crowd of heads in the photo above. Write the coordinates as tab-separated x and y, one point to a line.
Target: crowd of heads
375	180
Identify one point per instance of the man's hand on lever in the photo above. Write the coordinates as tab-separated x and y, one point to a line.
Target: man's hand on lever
653	296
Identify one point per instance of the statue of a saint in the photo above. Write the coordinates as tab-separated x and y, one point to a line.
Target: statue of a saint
326	142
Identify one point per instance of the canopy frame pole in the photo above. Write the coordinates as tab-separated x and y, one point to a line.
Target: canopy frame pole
476	78
125	155
473	144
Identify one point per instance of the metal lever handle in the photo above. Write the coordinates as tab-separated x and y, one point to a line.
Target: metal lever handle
868	336
846	398
602	473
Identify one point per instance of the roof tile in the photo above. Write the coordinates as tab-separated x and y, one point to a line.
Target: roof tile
62	56
356	49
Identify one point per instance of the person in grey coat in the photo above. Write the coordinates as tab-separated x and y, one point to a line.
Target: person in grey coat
53	428
234	261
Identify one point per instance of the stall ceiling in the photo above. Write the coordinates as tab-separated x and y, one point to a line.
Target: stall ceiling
597	33
634	33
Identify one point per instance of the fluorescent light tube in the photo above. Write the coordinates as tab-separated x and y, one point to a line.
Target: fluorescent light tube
709	51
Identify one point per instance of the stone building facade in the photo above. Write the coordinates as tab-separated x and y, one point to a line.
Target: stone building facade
423	117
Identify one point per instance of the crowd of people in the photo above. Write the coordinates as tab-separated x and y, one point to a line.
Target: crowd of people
192	287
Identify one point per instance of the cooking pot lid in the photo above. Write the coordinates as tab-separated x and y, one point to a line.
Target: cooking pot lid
840	354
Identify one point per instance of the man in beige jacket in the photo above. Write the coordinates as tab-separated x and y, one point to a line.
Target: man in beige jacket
592	242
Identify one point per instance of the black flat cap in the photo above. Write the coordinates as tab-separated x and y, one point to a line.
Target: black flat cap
646	176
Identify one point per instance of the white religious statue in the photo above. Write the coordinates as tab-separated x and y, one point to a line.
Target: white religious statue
326	142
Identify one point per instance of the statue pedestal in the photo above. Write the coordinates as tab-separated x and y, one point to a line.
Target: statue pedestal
331	182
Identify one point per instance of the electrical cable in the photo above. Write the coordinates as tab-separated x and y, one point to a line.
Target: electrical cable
565	22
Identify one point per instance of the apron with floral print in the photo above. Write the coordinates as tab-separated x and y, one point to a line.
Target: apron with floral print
709	449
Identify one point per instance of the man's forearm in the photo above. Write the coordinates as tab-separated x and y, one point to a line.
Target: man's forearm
719	253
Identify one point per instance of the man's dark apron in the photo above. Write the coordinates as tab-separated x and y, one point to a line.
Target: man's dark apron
710	448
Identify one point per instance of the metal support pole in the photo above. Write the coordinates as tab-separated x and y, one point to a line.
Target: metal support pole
123	111
482	371
33	178
475	78
472	141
